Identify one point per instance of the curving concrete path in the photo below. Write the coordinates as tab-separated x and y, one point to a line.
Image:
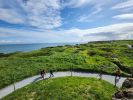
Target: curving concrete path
9	89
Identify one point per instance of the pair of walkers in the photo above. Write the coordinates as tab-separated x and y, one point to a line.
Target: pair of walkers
43	72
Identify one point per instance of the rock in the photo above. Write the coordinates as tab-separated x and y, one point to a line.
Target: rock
119	94
126	92
128	83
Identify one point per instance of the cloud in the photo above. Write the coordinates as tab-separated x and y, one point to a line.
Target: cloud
115	28
123	5
37	36
40	14
75	3
88	17
10	16
124	16
95	10
10	41
98	9
109	32
96	5
82	3
43	13
84	18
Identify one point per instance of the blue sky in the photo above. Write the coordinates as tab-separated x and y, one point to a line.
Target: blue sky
50	21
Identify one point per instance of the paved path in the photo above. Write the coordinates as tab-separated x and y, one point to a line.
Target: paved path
9	89
130	46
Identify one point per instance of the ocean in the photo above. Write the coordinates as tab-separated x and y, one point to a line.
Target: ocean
9	48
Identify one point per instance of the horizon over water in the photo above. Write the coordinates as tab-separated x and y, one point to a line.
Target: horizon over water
26	47
10	48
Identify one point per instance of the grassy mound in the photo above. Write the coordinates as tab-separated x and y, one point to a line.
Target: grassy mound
84	57
65	88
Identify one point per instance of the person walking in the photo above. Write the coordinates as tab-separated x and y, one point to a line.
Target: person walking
42	72
118	72
51	73
101	72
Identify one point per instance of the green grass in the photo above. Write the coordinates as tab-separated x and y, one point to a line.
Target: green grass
84	57
65	88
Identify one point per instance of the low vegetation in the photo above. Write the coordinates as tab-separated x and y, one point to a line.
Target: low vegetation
90	57
65	88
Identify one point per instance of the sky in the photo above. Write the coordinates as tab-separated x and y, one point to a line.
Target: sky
55	21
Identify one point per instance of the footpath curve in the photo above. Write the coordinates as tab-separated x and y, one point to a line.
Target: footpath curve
9	89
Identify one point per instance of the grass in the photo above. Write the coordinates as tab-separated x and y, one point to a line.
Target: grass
65	88
81	57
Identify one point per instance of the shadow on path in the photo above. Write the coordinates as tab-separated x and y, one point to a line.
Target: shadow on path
40	78
37	79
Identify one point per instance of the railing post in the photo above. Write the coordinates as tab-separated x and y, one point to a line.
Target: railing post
71	70
14	86
13	80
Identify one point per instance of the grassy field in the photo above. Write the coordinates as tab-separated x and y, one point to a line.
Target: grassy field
65	88
89	57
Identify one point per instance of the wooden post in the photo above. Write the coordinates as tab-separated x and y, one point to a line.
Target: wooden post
13	78
71	66
14	86
71	70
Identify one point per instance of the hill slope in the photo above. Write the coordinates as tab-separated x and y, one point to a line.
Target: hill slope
84	57
66	88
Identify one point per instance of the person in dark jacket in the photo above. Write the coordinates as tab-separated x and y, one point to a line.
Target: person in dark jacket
42	72
51	73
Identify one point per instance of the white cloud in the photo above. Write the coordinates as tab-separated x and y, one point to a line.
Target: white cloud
116	28
9	41
10	16
43	13
75	3
124	16
126	4
89	17
82	3
109	32
40	14
84	18
97	8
